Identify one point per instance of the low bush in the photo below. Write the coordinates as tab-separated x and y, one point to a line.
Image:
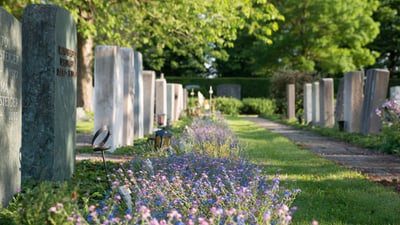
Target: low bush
260	106
228	106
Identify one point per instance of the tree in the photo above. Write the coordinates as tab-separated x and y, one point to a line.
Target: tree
175	35
327	37
388	42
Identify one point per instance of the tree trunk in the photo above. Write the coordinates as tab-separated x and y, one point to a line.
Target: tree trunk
85	79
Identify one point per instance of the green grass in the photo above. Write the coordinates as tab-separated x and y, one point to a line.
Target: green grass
330	194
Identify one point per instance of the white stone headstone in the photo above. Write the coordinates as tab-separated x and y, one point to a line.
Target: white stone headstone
171	102
291	101
128	74
149	95
108	86
138	103
315	104
307	102
161	99
395	92
353	97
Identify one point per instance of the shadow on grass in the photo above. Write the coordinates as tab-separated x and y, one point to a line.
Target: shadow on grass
330	194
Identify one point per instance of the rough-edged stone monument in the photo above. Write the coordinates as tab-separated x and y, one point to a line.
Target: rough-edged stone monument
108	97
138	104
10	103
149	78
376	88
49	74
326	99
128	74
353	97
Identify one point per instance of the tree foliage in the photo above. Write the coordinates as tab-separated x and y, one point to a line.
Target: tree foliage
388	42
327	37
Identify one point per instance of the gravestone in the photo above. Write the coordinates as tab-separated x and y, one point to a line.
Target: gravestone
178	101
200	98
185	99
171	102
229	90
138	103
108	97
291	101
10	103
49	72
148	106
307	102
315	104
376	88
395	92
326	102
339	106
161	99
353	96
128	76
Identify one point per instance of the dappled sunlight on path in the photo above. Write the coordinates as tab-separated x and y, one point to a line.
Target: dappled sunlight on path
375	165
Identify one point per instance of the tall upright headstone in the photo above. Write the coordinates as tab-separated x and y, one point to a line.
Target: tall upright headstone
171	102
395	92
138	104
376	88
128	75
161	99
315	104
326	102
108	97
307	102
178	101
291	101
49	72
339	106
353	97
10	104
149	79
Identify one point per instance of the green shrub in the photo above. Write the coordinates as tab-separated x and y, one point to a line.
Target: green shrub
260	106
228	106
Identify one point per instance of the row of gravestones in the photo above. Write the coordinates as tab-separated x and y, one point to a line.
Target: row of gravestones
38	84
356	102
129	98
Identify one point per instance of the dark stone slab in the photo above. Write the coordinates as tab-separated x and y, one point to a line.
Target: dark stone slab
229	90
49	93
10	106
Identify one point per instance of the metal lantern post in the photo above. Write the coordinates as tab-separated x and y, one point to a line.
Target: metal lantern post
210	92
162	138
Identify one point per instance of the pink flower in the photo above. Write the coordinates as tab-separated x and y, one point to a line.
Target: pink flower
52	209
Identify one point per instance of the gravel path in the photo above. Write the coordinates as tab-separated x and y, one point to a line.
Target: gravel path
376	165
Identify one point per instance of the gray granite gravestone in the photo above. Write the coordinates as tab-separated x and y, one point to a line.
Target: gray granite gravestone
128	74
339	106
326	99
290	100
138	103
161	100
108	94
307	102
10	103
49	74
229	90
353	96
148	106
376	88
315	104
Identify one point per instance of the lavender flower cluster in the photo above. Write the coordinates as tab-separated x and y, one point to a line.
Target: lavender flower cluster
389	112
209	137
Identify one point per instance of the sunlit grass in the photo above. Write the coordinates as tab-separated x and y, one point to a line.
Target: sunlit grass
330	194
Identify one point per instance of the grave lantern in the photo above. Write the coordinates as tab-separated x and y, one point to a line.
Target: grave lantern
100	146
211	93
162	138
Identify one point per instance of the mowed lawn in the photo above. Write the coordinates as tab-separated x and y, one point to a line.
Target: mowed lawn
330	194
